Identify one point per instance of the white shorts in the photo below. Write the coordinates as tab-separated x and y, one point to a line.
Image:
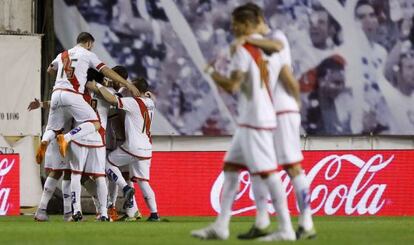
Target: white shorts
53	159
252	149
66	105
287	139
87	160
139	168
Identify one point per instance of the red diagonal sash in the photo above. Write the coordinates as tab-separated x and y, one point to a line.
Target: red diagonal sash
261	64
70	71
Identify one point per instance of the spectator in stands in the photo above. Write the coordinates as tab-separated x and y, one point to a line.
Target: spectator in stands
326	113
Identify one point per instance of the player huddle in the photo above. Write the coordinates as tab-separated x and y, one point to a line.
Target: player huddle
86	91
268	130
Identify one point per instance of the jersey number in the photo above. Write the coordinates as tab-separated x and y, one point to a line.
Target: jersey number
68	68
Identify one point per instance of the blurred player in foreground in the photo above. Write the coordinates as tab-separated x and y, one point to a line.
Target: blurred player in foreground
252	143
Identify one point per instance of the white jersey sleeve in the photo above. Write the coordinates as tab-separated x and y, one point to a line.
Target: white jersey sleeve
95	62
240	61
285	56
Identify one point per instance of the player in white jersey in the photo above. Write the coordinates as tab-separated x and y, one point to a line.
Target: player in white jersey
286	136
70	68
252	143
136	151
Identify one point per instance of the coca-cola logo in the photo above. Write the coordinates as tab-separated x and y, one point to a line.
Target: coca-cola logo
5	167
355	191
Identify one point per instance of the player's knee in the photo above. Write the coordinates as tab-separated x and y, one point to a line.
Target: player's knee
293	170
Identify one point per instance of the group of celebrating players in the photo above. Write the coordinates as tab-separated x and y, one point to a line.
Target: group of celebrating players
92	104
267	134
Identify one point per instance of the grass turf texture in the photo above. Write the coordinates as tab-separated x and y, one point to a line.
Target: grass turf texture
331	230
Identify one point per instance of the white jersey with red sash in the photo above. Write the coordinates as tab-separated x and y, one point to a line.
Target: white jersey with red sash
255	104
252	143
72	66
138	116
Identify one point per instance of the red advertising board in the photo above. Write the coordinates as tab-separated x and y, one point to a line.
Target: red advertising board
9	184
342	183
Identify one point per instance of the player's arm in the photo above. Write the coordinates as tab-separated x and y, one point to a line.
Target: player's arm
267	45
35	104
290	83
109	73
229	84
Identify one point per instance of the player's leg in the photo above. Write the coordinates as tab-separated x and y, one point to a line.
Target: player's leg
78	158
259	150
91	187
48	190
112	196
55	122
95	166
289	154
233	162
67	201
115	160
140	172
54	165
83	113
262	221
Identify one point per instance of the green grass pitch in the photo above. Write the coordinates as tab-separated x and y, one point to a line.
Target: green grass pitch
331	230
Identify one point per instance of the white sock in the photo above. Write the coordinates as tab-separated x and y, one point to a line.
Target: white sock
75	186
48	190
228	194
112	193
301	186
102	190
260	194
91	187
278	195
149	195
115	175
48	135
67	202
80	131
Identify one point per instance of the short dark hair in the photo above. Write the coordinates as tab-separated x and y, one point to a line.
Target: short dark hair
334	62
121	70
243	14
363	3
84	37
141	84
92	74
254	7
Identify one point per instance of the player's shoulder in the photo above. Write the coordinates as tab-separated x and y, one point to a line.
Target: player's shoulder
279	34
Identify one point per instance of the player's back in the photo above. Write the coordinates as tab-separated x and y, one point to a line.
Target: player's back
138	118
255	104
72	66
283	101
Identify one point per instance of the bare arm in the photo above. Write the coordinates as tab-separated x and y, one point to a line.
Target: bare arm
290	83
35	104
267	45
229	84
108	96
117	78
